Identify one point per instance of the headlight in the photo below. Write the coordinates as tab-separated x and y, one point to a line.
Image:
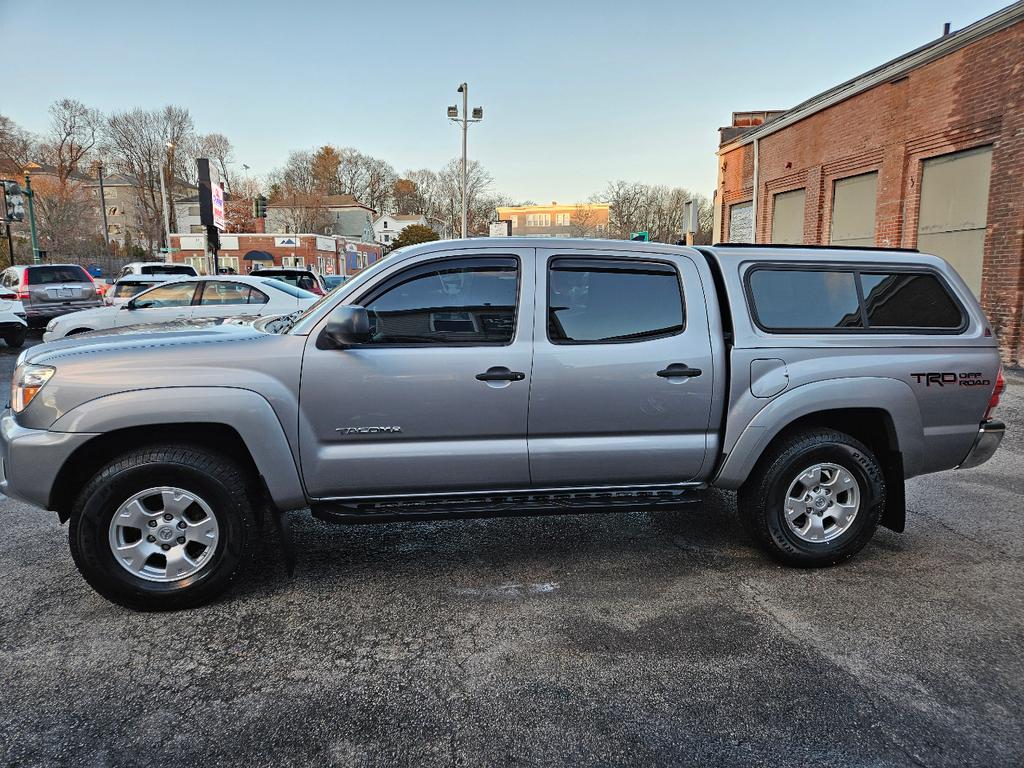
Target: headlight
28	380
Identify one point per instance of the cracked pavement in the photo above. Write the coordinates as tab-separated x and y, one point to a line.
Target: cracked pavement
633	639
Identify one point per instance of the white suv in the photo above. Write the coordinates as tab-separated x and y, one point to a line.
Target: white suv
158	268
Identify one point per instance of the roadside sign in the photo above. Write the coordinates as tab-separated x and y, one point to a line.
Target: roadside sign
639	236
501	228
217	197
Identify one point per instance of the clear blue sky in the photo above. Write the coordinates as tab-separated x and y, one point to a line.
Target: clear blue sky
573	95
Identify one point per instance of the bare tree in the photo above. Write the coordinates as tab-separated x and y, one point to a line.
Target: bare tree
657	210
17	145
74	131
135	144
217	148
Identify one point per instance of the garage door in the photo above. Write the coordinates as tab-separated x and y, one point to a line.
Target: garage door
788	217
954	208
853	210
741	223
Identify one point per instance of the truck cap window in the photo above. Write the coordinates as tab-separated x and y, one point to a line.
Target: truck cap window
791	299
908	300
817	299
603	300
469	301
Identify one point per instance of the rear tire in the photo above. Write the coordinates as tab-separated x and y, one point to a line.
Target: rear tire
15	338
814	499
185	528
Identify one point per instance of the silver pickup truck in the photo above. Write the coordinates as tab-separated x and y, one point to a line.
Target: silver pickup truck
512	376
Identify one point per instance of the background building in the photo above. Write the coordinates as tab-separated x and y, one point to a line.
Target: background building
246	251
925	151
572	220
340	215
389	226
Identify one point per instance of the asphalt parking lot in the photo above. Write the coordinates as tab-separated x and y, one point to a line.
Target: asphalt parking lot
637	639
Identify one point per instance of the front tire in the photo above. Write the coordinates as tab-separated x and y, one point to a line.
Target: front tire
15	338
814	499
164	528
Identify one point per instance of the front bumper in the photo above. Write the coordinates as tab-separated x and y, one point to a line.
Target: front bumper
990	435
30	459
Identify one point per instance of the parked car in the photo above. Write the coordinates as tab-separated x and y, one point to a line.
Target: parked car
333	281
51	290
534	375
13	323
306	279
130	285
157	268
184	298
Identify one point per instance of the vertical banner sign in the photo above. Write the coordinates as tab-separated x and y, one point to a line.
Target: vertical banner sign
217	202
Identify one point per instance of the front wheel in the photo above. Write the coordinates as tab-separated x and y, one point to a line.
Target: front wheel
164	528
814	499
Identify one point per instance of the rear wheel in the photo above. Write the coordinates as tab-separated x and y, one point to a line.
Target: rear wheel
15	338
163	528
814	499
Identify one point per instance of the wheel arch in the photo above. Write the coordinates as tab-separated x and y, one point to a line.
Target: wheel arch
239	423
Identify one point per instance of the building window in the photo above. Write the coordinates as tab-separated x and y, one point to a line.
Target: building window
387	238
788	217
954	210
514	220
109	193
196	229
193	210
561	219
853	210
741	223
538	219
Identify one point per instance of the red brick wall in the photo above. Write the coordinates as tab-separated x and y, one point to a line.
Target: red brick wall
970	98
306	249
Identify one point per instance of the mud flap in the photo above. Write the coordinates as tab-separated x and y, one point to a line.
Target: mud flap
284	533
895	515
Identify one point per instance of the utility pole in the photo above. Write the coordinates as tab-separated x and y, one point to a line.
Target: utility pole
465	119
32	218
166	211
103	206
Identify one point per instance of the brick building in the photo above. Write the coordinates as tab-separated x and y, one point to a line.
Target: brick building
243	252
925	151
572	220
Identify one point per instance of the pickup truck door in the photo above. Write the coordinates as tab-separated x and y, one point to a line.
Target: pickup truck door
622	375
437	402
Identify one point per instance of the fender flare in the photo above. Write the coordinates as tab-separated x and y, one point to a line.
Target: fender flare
893	396
243	410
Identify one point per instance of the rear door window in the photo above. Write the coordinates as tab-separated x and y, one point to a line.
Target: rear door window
172	295
608	301
59	273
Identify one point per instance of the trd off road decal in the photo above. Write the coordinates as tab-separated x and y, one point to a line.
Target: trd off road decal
949	379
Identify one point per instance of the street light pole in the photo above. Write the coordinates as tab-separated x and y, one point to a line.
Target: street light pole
465	119
465	133
103	206
166	210
32	218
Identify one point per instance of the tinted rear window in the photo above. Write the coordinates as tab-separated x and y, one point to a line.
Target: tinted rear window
908	300
791	299
594	300
126	290
167	269
63	273
279	284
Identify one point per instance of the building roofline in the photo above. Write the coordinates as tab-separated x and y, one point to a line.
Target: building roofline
887	72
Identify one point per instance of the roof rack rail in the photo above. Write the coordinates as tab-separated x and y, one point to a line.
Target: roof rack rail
814	246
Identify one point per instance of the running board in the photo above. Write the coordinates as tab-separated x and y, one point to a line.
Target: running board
506	504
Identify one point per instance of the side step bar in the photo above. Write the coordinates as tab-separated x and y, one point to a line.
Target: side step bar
504	504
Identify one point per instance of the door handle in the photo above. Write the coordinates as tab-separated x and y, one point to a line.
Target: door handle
679	371
500	373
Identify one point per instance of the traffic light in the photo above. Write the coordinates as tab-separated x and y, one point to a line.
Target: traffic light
15	203
259	207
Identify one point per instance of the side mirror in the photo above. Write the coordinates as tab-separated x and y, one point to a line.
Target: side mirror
347	326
